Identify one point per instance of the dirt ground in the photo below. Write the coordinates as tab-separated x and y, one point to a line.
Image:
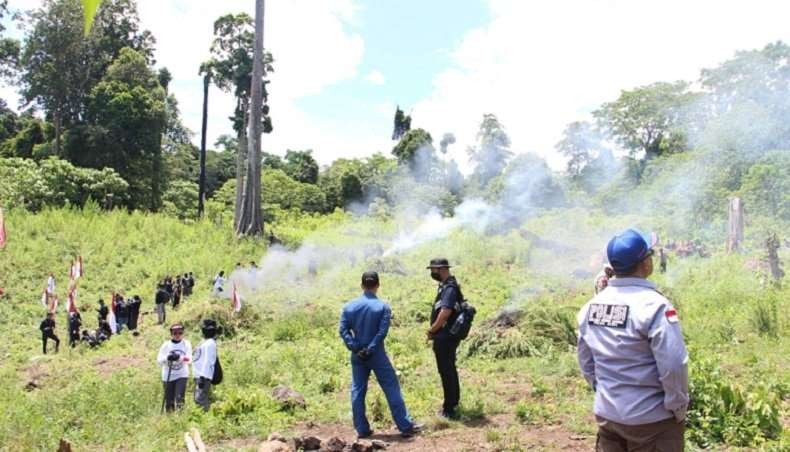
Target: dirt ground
439	436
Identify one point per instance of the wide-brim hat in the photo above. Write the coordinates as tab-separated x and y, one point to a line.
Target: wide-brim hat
439	262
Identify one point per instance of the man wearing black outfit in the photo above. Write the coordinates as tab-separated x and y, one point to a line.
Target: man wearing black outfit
160	299
47	328
75	322
134	311
103	311
445	309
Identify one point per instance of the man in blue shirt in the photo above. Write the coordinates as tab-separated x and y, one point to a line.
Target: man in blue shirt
363	326
631	351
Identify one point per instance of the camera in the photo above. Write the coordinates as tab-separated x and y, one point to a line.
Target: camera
173	356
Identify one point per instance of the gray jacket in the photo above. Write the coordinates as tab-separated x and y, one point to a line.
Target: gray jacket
631	351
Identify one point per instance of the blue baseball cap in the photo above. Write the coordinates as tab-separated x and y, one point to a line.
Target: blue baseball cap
627	249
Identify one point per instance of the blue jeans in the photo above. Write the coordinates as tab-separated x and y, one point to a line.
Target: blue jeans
380	364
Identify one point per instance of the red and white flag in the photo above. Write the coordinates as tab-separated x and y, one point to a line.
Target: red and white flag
71	305
77	269
111	315
235	299
2	229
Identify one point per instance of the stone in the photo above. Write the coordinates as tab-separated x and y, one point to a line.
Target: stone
379	444
334	444
288	398
307	442
362	446
274	446
275	436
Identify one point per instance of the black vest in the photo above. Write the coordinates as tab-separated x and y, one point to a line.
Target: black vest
450	282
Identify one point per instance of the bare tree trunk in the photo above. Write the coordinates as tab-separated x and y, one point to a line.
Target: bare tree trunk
774	264
241	160
251	221
202	181
58	120
735	226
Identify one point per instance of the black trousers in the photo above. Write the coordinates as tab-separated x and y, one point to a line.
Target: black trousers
445	351
52	336
74	337
174	393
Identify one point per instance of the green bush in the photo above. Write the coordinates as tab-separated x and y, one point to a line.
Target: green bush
181	199
56	183
724	412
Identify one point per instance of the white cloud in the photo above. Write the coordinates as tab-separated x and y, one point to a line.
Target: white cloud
540	65
311	42
375	77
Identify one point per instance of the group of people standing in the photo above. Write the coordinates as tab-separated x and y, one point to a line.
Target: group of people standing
174	291
364	324
630	350
125	313
176	355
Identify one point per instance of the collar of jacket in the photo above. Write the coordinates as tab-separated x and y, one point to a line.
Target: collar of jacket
640	282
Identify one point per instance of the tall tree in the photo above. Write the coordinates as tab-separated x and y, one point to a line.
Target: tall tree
402	124
231	67
301	166
647	119
492	151
580	144
251	216
125	124
60	65
203	132
52	51
9	47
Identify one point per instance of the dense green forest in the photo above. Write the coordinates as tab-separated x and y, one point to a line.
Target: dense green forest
97	162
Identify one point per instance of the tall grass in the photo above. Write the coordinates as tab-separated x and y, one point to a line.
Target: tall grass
109	398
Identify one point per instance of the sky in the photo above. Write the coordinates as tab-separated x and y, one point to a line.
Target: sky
341	66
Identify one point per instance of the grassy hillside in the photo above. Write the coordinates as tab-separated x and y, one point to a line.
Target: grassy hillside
109	398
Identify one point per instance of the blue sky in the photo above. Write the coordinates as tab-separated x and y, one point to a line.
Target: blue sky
342	65
408	42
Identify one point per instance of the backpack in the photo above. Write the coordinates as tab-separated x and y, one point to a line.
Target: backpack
217	377
463	321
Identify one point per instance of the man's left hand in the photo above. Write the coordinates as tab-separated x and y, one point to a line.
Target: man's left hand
363	354
429	335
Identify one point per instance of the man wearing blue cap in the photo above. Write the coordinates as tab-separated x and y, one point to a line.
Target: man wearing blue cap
632	353
363	326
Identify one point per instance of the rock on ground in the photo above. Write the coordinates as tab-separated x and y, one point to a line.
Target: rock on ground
288	398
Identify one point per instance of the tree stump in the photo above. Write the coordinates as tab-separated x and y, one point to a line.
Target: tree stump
735	226
774	265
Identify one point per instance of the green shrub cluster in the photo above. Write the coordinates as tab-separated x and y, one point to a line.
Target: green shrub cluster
56	183
723	411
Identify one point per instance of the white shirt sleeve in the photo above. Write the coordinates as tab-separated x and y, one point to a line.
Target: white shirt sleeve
161	358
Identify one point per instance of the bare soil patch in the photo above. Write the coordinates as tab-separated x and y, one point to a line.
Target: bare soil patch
106	366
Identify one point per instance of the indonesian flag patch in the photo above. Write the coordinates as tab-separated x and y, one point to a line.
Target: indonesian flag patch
672	315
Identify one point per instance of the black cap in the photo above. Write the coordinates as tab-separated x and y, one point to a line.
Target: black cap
439	262
370	279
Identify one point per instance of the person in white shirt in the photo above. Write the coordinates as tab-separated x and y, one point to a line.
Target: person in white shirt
219	281
174	358
204	362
